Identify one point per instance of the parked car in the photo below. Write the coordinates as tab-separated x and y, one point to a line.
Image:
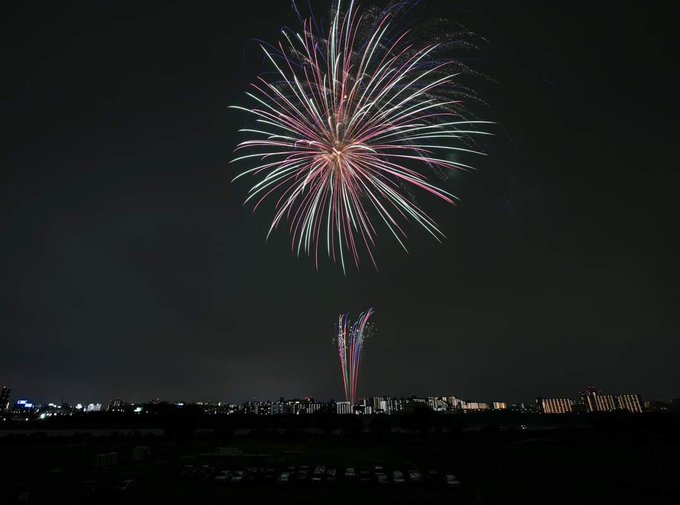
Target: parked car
318	473
451	480
381	478
415	477
301	475
331	474
223	477
365	476
350	473
205	472
284	478
126	485
398	477
237	477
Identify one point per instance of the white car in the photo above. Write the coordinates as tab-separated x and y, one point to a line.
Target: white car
126	485
350	473
415	476
284	478
398	477
451	480
237	477
223	476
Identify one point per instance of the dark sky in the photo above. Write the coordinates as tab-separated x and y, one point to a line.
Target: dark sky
130	268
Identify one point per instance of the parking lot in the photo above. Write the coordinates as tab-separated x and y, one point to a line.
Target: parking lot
474	468
320	475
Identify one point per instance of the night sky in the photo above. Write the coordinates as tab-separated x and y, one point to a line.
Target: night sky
130	268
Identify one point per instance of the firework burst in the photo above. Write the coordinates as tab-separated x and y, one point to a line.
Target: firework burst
350	342
356	115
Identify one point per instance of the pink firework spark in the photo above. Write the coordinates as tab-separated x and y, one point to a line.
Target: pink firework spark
350	343
354	116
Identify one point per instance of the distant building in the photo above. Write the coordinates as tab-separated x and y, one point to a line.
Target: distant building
594	401
311	407
120	406
454	403
364	406
94	407
500	405
5	394
343	408
278	408
23	407
382	405
658	406
438	403
555	405
397	405
631	403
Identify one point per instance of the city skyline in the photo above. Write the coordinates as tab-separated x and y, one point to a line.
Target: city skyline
591	398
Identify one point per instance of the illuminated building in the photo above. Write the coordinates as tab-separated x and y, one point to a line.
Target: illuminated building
5	394
343	408
364	407
500	405
438	404
382	405
594	401
631	403
312	407
120	406
555	405
23	407
278	408
454	403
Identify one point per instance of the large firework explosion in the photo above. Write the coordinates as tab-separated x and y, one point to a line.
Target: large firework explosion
350	342
357	114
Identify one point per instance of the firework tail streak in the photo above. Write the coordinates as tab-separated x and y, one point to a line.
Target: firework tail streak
350	341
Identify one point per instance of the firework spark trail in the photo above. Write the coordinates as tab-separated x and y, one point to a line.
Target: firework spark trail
350	342
348	119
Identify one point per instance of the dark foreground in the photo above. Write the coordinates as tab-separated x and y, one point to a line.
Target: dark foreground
605	462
